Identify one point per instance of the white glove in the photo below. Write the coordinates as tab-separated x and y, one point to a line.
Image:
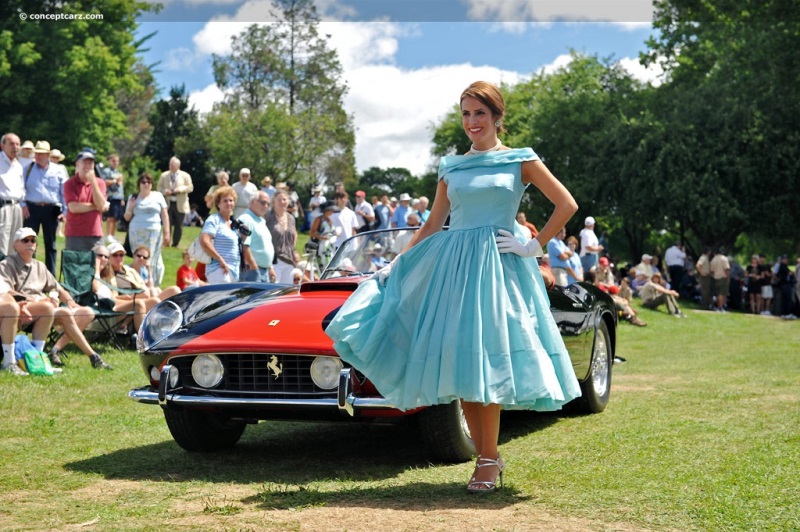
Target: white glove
506	243
383	274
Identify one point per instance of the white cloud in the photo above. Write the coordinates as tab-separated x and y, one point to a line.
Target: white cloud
653	74
394	109
180	59
205	99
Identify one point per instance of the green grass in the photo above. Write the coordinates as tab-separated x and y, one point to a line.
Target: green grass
702	433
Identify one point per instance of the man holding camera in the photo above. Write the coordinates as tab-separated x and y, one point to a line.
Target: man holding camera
44	200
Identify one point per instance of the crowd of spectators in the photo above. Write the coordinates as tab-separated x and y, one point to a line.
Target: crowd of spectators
251	234
715	281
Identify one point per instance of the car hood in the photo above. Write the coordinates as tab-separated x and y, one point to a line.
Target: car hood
259	318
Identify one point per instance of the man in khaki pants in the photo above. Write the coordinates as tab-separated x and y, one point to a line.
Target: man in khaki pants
176	185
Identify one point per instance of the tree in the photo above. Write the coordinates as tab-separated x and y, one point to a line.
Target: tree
284	84
59	79
734	97
177	132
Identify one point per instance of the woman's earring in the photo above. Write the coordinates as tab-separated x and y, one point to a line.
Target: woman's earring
496	123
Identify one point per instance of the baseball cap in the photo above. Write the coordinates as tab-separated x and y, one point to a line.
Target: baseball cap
647	257
604	261
588	221
115	247
23	232
361	193
85	154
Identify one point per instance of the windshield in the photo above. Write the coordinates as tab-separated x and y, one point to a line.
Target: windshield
368	252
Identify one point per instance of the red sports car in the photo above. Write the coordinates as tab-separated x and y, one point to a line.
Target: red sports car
221	357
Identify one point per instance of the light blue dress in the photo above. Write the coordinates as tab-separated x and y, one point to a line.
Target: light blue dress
457	319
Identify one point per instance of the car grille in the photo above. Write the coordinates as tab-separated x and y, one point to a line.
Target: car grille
250	375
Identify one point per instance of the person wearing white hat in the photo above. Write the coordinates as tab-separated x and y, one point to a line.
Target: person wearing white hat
245	190
30	278
44	200
85	199
400	216
590	245
268	187
12	191
645	267
176	185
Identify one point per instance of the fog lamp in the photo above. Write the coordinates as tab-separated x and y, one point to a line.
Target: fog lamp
207	371
325	372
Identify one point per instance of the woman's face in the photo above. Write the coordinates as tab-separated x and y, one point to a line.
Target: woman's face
117	259
280	201
141	257
101	256
222	179
478	122
226	204
145	184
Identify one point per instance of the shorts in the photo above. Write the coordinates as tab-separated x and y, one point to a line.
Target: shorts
766	292
114	210
722	286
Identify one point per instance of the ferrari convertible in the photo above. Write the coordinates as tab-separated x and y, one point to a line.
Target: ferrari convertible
221	357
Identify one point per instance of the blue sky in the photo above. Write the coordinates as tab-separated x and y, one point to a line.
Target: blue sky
402	75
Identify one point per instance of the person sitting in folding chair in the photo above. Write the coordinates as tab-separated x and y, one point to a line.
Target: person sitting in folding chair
30	278
124	277
102	287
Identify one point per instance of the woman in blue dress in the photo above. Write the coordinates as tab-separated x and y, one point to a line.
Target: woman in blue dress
463	314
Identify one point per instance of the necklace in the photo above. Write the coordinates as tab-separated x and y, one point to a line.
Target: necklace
493	148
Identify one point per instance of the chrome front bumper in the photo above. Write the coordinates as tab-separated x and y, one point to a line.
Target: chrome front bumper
347	400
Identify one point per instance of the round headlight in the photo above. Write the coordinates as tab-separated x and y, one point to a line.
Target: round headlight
207	371
163	320
325	372
174	375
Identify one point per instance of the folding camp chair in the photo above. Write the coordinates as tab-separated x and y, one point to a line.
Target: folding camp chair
77	273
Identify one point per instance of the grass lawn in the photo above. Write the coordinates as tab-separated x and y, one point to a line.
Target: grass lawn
702	433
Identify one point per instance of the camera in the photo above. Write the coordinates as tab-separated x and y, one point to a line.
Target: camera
239	226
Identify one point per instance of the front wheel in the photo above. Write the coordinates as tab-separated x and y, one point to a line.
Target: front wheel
445	432
197	431
596	389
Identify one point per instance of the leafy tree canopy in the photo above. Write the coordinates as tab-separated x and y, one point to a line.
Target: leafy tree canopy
59	79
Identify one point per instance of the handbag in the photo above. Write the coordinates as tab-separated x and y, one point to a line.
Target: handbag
197	252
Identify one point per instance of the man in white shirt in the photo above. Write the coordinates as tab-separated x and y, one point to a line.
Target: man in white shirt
345	222
590	245
12	191
364	212
675	258
245	190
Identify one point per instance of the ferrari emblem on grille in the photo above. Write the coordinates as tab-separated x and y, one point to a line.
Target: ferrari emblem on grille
273	323
275	367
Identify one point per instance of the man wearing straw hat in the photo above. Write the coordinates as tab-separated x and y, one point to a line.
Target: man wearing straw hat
44	200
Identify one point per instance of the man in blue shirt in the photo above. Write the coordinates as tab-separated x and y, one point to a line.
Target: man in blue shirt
115	193
559	254
44	200
401	212
258	248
